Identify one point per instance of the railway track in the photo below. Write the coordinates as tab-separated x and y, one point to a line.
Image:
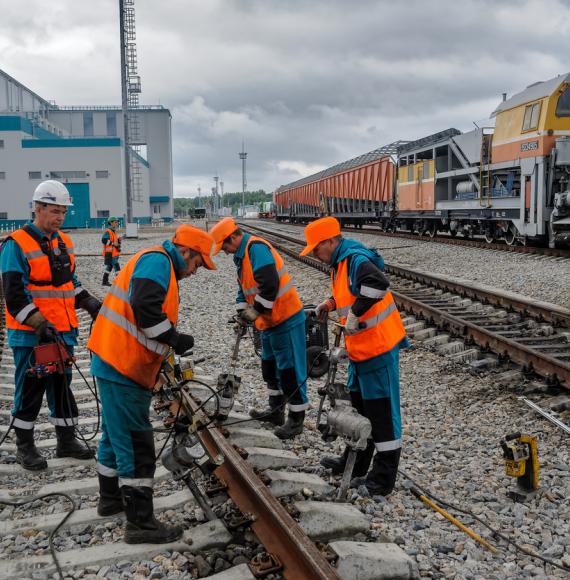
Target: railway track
244	501
91	546
533	335
461	241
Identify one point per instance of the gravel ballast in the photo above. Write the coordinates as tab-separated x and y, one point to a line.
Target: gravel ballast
453	423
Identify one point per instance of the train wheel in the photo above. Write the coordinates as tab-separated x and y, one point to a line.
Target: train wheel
511	236
452	233
431	231
489	236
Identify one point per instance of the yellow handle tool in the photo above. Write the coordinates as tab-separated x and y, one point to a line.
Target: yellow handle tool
453	520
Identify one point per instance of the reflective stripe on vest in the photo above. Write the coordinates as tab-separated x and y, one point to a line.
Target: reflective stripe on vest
56	303
382	326
133	330
119	341
52	293
286	302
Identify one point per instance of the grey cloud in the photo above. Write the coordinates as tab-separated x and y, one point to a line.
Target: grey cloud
306	84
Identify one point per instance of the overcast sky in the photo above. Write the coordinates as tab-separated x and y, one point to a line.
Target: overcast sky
306	83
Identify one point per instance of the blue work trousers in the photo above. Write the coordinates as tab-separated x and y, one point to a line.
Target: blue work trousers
126	448
111	263
284	364
376	394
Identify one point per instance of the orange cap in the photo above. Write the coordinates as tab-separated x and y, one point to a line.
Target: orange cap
197	240
221	231
319	231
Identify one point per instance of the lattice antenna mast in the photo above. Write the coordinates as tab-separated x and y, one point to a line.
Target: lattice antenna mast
131	88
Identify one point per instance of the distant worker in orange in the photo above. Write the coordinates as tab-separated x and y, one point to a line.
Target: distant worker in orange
373	334
111	250
268	299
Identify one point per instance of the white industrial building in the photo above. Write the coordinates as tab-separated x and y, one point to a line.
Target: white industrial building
84	148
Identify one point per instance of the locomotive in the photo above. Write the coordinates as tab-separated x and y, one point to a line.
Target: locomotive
509	181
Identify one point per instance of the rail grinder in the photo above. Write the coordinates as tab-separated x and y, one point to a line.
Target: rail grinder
342	419
187	453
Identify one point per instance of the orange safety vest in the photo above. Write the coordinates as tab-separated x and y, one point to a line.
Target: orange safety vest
287	301
383	326
111	248
118	340
56	303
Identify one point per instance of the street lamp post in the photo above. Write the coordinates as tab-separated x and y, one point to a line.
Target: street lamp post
243	157
216	179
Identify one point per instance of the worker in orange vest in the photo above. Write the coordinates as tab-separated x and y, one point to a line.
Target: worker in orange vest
42	292
134	332
268	299
373	335
111	250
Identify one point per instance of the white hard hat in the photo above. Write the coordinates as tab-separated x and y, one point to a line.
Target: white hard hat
52	192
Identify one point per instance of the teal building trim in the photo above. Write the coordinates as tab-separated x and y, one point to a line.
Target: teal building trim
94	223
71	142
159	199
140	158
15	123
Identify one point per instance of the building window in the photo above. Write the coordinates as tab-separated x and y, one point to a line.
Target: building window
426	171
2	175
410	173
1	143
3	215
67	174
102	213
88	124
35	174
103	174
531	115
111	124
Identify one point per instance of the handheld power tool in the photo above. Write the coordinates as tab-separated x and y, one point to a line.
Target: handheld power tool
342	418
50	358
229	383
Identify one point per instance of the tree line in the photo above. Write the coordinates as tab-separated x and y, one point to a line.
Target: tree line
184	206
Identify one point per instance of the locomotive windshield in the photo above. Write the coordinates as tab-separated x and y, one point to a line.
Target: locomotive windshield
563	105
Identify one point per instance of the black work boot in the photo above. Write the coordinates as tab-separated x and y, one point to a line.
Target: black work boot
336	464
293	426
382	477
275	413
106	279
110	499
142	527
69	446
27	454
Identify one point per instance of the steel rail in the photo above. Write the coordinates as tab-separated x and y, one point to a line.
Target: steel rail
546	415
527	357
551	313
279	533
543	364
468	243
